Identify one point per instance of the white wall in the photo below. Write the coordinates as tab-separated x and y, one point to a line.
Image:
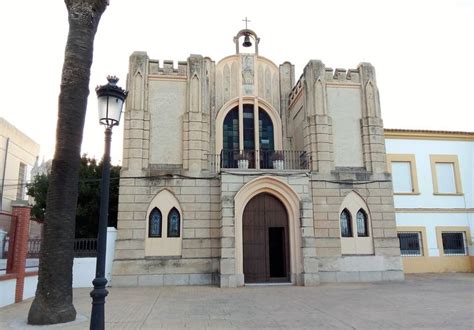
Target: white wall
29	290
422	149
432	220
453	215
7	292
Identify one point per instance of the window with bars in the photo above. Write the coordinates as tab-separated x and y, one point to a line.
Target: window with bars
410	243
454	243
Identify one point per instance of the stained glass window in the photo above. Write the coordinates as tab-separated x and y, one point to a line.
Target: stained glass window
346	227
154	225
174	223
362	230
230	138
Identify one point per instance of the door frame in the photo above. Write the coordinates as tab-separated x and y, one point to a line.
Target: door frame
262	199
291	201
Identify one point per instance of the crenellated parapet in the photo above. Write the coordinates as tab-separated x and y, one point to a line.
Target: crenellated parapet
342	76
168	68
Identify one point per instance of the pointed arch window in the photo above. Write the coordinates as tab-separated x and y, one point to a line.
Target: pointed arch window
346	226
174	223
232	134
154	223
362	230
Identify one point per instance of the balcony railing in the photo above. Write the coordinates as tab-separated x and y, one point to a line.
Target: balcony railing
259	159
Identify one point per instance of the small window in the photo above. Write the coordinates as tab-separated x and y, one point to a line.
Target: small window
410	243
401	174
454	243
346	227
362	230
154	225
174	222
403	170
446	174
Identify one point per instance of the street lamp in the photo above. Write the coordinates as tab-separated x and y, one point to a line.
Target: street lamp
110	101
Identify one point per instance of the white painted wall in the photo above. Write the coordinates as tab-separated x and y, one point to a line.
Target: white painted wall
7	292
422	149
29	290
432	220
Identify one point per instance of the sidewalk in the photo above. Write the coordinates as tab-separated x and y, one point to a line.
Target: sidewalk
421	301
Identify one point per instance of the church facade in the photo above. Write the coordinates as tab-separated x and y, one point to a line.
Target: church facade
234	173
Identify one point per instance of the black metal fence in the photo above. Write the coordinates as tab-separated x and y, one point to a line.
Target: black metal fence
259	159
83	247
34	247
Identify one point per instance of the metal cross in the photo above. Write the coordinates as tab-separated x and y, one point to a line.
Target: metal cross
246	21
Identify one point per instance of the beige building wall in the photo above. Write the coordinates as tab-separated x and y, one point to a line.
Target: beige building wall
15	148
333	116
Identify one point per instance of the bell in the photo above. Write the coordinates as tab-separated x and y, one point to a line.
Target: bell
247	42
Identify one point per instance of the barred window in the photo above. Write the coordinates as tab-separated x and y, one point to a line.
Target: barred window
410	243
362	230
454	243
346	226
154	224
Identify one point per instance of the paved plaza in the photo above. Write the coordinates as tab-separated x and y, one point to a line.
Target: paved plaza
421	301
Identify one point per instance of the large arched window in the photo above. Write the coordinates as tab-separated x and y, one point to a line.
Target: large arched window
154	225
231	131
346	224
174	223
362	230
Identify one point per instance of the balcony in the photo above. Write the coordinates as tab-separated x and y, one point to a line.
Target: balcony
259	159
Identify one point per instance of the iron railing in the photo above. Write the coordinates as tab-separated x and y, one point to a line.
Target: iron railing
83	247
34	247
259	159
454	243
410	243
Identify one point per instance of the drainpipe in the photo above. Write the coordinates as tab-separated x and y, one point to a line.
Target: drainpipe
4	171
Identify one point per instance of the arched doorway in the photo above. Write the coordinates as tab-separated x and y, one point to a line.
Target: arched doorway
265	240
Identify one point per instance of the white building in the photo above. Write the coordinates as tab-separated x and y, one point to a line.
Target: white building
433	185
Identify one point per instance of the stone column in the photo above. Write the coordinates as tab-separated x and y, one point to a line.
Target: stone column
373	142
196	118
136	121
21	211
287	81
318	126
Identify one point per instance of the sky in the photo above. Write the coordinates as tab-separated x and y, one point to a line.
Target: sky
422	52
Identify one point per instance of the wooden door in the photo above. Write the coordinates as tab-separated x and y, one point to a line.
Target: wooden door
265	240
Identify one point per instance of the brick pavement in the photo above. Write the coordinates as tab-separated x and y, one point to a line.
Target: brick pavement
421	301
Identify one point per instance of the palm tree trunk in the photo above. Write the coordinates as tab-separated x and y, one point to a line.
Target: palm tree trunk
53	300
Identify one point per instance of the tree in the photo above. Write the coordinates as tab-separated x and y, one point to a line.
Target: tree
53	300
88	203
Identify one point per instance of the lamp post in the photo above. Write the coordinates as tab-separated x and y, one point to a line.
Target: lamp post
110	101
